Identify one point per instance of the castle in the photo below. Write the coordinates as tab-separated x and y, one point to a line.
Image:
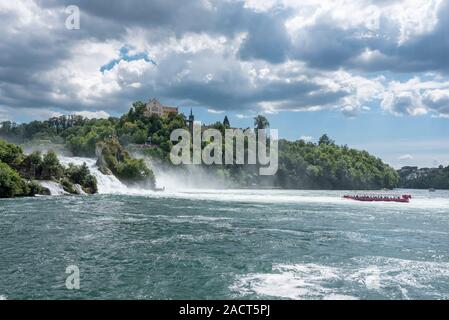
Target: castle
155	107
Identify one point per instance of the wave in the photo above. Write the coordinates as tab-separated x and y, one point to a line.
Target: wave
359	278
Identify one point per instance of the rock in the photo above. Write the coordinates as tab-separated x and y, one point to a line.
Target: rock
55	188
79	189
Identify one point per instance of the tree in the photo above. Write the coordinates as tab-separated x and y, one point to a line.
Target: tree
226	122
11	184
260	122
31	166
313	166
10	154
81	175
51	167
115	158
325	140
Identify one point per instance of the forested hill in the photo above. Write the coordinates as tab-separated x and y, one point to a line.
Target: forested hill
329	166
302	165
424	178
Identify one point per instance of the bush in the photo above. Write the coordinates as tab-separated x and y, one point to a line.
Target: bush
15	166
81	175
11	185
31	166
115	158
68	186
36	188
51	167
90	184
10	154
134	169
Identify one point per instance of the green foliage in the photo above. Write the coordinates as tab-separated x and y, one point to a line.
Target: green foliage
81	175
325	140
226	122
260	122
10	154
11	185
426	178
31	166
133	170
37	167
328	166
115	158
81	140
51	167
49	130
68	186
301	165
35	188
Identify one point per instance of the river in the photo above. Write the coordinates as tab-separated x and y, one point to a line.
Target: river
224	244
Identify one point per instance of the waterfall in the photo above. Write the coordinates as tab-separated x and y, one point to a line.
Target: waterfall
79	189
107	184
55	188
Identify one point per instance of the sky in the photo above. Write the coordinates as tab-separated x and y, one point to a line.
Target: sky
371	74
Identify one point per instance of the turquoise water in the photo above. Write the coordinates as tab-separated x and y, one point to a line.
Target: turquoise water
236	244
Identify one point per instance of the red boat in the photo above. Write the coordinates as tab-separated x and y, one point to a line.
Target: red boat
380	198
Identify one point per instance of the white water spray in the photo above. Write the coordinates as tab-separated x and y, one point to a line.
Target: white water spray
55	188
186	177
107	184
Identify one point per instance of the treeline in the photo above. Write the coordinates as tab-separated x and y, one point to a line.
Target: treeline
83	137
20	173
302	165
328	166
424	178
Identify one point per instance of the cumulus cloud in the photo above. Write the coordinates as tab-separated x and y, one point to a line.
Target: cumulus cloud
248	56
406	157
215	111
243	116
93	115
399	36
306	138
417	97
438	101
404	103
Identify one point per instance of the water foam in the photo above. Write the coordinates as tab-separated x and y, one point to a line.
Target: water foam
55	188
197	183
107	184
388	277
300	197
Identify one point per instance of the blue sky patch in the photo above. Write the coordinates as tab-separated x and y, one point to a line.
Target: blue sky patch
126	56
